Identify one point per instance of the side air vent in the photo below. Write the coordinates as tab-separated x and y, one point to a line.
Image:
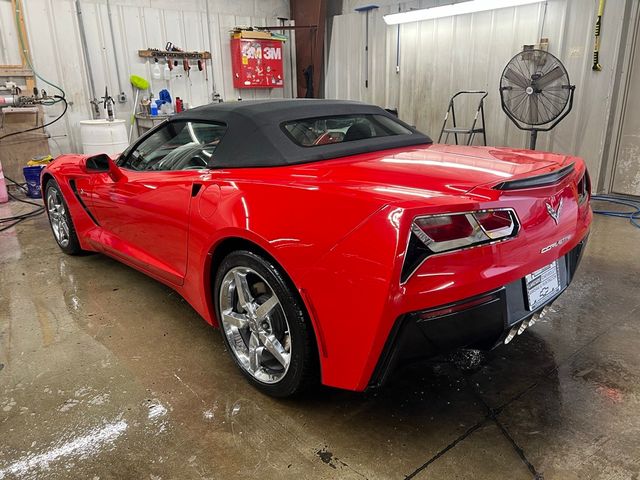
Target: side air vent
536	181
417	252
72	183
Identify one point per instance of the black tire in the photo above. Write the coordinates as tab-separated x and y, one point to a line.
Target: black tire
302	372
72	245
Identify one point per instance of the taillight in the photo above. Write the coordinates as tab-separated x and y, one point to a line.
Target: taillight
445	233
446	227
584	188
442	233
496	223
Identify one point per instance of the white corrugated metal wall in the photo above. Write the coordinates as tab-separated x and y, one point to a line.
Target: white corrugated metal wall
52	27
9	52
440	57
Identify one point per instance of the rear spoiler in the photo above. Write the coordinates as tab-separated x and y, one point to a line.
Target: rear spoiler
536	181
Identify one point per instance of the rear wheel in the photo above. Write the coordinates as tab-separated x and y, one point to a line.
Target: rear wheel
264	325
60	220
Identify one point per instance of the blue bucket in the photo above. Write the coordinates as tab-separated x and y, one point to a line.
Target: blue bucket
32	177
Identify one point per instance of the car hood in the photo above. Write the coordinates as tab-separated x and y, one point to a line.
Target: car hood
435	169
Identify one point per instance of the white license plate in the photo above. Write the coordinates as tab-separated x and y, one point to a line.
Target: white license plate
542	285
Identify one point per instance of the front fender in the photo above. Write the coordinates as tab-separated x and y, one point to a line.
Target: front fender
68	171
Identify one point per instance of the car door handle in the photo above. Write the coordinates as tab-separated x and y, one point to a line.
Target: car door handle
195	188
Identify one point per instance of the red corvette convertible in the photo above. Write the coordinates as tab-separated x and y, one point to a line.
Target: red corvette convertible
327	239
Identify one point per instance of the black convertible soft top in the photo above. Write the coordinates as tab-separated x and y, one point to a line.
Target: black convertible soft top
255	137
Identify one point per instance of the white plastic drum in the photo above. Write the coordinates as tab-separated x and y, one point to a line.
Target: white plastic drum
102	136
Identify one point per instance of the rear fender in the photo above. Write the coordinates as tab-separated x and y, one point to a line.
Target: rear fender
351	290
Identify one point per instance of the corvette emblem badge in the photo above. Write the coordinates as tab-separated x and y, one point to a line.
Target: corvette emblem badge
554	213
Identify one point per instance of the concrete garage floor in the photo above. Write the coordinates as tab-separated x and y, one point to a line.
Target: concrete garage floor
105	373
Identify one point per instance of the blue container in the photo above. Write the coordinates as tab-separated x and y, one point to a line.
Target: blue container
32	177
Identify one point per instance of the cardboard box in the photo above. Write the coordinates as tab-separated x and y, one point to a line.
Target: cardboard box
254	34
17	150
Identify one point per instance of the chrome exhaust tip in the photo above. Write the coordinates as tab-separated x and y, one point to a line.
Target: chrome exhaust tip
512	333
544	311
523	327
519	329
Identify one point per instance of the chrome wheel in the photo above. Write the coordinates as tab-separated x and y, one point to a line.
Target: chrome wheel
58	217
255	325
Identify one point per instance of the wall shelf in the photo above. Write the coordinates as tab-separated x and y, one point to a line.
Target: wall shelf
153	53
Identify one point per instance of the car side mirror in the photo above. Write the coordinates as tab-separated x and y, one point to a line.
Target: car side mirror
102	163
98	163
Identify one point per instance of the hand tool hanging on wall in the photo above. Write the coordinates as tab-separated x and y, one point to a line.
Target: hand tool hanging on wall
596	49
87	60
398	46
283	23
138	83
202	66
308	78
122	97
366	9
108	105
171	47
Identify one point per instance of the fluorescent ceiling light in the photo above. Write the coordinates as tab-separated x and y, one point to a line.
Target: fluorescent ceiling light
453	9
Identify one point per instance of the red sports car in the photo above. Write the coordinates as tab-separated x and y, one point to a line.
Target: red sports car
327	239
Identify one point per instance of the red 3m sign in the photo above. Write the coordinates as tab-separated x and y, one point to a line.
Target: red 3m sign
257	63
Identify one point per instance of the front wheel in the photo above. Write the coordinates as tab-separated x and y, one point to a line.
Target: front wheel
263	325
60	220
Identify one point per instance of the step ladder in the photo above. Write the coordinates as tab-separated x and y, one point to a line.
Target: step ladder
455	129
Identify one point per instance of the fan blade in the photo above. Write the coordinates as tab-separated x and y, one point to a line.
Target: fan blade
550	77
515	77
533	109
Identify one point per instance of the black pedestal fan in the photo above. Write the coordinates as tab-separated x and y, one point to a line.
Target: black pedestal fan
535	92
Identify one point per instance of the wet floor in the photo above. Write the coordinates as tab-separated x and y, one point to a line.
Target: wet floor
105	373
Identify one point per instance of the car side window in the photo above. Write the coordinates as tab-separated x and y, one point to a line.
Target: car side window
178	145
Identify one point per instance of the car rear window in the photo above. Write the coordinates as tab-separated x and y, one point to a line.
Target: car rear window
313	132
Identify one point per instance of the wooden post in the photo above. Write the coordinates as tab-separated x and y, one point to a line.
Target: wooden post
17	4
23	70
